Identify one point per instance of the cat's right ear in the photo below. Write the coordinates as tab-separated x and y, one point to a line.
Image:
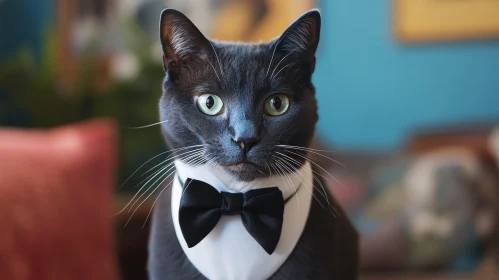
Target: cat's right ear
302	36
180	39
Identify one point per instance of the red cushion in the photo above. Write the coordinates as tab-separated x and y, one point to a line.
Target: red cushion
55	202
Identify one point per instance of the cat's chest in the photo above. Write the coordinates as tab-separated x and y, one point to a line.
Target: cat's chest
230	252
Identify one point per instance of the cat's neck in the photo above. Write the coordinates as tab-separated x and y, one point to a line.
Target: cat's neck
218	255
222	181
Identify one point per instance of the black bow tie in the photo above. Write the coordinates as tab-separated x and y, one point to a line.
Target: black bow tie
201	207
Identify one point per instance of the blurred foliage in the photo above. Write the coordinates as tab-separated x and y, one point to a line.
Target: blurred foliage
31	97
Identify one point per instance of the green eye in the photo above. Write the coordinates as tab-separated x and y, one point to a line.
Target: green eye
210	104
277	104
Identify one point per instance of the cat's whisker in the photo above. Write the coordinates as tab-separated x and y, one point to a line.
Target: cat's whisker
316	164
281	70
322	191
154	203
185	187
155	200
311	151
166	172
314	173
130	218
272	57
218	59
214	70
290	182
281	174
145	199
170	170
272	74
169	151
166	165
145	184
136	170
298	164
295	172
138	192
145	126
305	148
211	162
260	172
200	161
267	166
208	162
326	195
173	156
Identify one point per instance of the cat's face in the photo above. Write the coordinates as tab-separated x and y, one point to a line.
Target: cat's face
239	100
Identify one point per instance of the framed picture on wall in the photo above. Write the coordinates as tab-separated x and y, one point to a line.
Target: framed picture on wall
445	20
255	20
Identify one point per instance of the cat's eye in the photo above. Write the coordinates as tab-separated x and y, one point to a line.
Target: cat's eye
277	104
210	104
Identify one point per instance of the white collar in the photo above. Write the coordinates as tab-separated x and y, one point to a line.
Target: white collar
229	252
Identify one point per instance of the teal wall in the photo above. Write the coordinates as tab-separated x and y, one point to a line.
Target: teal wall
372	91
24	24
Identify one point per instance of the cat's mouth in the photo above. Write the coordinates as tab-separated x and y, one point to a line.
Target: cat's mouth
242	165
245	170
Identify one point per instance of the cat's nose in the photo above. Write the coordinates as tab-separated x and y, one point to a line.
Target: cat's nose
247	143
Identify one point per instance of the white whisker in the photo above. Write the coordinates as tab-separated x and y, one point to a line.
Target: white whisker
306	148
214	70
281	70
145	199
166	172
154	203
151	178
272	74
169	151
172	156
188	153
145	126
296	173
272	58
290	182
219	64
323	193
141	167
311	151
316	164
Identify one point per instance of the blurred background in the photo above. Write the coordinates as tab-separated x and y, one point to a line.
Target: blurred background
408	96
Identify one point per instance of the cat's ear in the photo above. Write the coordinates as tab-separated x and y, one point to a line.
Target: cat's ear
180	38
302	36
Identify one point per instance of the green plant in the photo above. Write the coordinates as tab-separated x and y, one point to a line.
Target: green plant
31	97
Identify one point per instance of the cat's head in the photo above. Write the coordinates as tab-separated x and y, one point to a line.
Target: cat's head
239	100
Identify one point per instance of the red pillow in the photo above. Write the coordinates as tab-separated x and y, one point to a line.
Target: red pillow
55	202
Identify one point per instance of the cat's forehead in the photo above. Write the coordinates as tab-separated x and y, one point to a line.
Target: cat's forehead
243	65
235	55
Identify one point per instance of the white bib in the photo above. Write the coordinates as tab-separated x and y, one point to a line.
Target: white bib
229	252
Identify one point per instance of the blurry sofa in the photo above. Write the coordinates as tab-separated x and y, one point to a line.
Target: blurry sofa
55	202
428	211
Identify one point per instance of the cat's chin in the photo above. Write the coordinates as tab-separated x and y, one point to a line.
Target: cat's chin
245	171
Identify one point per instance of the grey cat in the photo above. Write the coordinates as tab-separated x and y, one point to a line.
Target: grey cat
243	103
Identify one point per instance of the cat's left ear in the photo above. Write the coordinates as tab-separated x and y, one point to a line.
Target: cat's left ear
302	36
180	38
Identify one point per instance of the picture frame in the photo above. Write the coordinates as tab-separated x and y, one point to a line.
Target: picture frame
419	21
